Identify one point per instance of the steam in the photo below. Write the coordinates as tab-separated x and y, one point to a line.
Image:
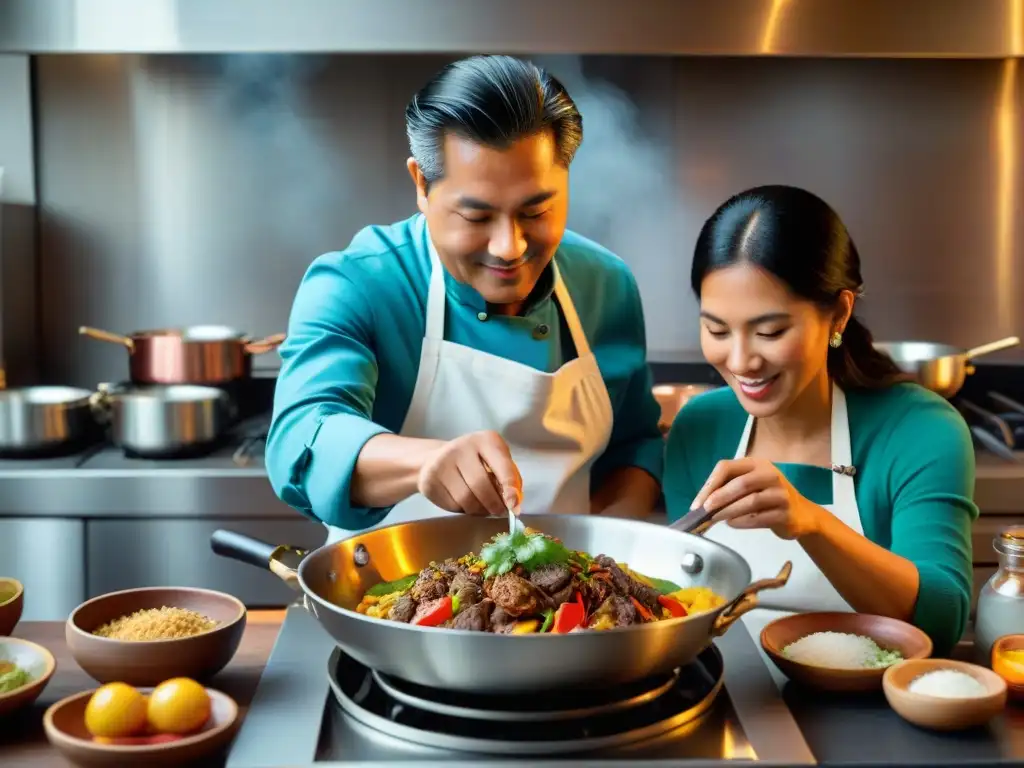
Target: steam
301	169
623	195
620	178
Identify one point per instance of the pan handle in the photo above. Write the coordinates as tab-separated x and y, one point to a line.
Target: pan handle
747	600
100	335
266	344
994	346
282	560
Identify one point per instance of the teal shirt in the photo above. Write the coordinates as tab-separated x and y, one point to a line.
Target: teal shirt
914	485
353	351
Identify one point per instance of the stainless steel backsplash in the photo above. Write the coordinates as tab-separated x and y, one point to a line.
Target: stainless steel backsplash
197	189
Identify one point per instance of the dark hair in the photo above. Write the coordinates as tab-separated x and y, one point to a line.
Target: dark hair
493	100
798	238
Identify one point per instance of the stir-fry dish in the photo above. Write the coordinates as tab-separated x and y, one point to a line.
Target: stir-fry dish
527	583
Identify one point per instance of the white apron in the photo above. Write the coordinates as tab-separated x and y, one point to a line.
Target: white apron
807	589
556	424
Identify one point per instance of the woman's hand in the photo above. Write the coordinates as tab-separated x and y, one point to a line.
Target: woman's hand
753	493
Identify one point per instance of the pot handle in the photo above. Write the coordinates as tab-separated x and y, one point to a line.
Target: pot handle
99	404
113	338
994	346
282	560
747	600
266	344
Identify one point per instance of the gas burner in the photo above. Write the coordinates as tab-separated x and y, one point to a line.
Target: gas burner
527	709
561	723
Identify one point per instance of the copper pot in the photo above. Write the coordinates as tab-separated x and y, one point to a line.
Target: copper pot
201	354
672	398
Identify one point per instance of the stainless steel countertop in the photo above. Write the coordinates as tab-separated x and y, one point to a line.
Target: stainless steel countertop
108	484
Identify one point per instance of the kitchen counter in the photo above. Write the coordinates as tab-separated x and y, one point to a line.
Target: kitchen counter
839	731
23	742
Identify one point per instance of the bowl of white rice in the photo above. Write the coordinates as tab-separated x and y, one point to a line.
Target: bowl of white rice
841	651
944	695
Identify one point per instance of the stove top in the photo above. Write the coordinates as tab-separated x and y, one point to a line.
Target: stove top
996	423
316	706
242	446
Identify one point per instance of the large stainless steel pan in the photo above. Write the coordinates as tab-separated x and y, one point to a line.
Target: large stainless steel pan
334	577
940	367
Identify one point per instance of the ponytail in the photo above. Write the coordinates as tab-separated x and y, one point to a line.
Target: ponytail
857	364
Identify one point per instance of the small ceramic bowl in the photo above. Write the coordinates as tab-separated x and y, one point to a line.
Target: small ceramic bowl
1010	670
64	723
937	713
150	662
889	634
12	602
33	659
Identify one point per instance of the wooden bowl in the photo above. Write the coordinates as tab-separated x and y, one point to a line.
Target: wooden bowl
35	660
64	723
937	713
12	602
890	634
1011	672
150	662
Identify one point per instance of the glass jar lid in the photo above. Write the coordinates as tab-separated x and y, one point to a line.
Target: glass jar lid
1010	542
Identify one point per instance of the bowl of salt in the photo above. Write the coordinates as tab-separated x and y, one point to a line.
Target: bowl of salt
944	695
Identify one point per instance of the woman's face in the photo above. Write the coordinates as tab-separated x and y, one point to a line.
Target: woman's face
767	343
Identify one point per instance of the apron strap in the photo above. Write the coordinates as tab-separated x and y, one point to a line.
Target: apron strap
744	444
572	320
435	295
844	492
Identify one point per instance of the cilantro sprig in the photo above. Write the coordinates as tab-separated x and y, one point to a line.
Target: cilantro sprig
530	550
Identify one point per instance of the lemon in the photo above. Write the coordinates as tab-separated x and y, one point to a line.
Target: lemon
179	705
115	710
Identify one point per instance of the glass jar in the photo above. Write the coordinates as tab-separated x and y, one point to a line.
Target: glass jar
1001	602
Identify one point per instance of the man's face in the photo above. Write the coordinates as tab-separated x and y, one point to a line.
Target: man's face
496	217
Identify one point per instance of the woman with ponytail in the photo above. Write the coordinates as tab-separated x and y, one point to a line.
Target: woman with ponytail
819	451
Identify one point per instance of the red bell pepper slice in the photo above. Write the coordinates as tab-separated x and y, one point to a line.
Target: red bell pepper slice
569	616
645	614
677	609
435	613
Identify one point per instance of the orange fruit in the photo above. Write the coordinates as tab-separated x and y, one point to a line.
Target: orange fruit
179	705
115	710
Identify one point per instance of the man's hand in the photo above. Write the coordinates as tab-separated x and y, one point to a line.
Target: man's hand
473	474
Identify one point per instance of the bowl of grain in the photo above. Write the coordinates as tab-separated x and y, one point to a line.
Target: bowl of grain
145	636
841	651
944	695
12	601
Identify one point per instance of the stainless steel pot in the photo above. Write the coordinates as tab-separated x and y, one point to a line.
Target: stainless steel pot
166	420
201	354
940	367
37	419
334	578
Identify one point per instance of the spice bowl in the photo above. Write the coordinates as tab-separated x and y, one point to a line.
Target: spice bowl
64	723
942	713
1008	662
12	602
889	634
150	662
32	659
